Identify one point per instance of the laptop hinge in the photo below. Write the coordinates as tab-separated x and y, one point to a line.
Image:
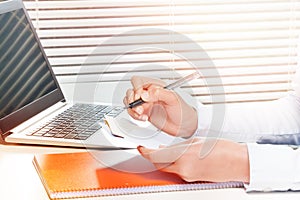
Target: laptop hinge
1	137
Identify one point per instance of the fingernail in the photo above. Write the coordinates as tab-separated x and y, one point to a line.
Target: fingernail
139	110
145	95
139	148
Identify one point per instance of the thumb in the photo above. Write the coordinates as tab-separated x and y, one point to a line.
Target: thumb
144	152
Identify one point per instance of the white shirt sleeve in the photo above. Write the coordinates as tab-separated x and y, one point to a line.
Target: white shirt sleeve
272	167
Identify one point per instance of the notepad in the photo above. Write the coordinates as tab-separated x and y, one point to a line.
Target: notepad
124	128
74	175
139	133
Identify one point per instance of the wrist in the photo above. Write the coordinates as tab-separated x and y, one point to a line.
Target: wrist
193	125
241	164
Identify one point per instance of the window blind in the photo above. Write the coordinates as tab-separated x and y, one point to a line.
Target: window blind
252	44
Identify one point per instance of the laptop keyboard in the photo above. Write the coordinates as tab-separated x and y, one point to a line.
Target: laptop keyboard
78	122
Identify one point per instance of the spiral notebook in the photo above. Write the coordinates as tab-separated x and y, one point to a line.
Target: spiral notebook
74	175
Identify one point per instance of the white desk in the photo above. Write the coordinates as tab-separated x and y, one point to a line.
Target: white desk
19	180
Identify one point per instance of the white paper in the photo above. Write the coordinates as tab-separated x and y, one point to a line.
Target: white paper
147	136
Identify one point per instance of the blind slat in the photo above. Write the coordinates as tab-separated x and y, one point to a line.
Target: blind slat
152	39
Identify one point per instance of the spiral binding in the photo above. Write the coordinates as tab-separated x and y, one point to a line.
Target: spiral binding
144	189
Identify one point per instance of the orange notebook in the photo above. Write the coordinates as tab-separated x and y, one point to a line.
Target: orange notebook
74	175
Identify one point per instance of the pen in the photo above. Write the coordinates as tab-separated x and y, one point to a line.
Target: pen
171	86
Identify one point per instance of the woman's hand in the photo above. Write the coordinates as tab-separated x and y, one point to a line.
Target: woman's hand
202	160
164	108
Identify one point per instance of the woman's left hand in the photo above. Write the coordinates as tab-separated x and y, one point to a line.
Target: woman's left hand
198	159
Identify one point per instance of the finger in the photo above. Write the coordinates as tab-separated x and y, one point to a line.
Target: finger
135	110
138	109
136	116
138	86
146	87
125	101
165	155
137	94
130	95
141	83
166	167
137	82
156	94
130	98
136	113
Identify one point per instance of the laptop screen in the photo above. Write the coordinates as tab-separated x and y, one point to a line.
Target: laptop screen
25	75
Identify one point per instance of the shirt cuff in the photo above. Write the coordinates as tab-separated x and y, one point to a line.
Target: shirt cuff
273	168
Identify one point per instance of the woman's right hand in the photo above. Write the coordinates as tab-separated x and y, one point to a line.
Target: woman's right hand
164	108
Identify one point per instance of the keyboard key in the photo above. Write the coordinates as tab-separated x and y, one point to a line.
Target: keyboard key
49	134
106	110
81	137
68	130
95	127
70	136
88	132
39	133
60	135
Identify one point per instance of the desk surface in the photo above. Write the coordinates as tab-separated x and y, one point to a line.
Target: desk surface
19	180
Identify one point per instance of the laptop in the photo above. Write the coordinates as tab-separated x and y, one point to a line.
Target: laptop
33	109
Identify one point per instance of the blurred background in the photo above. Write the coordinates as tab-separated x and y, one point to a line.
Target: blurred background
253	44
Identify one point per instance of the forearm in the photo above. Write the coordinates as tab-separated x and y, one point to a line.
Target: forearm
240	164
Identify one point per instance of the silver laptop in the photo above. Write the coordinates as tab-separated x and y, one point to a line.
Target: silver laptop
33	109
